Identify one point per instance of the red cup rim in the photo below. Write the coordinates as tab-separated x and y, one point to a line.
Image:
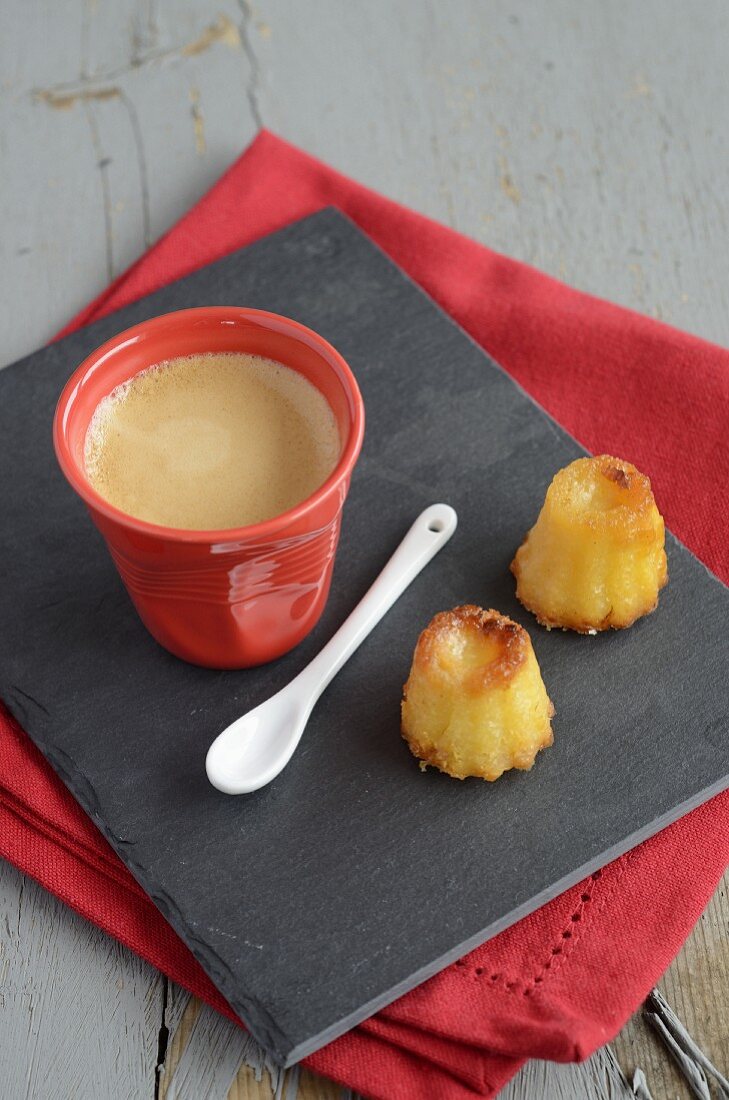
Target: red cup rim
267	528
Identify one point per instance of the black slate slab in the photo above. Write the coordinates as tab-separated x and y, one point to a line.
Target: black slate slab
353	876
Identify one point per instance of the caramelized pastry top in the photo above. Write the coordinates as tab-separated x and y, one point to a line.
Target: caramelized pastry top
478	648
604	493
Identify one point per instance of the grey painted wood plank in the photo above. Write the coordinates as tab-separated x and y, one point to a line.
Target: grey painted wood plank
600	1078
80	1014
586	138
114	119
696	985
217	1060
176	1003
214	1053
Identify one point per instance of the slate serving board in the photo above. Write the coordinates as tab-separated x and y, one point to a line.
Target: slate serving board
354	876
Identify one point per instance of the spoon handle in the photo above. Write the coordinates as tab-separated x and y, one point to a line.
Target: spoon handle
428	534
240	759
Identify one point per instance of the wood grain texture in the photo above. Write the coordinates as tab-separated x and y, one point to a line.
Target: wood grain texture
80	1014
696	985
586	138
114	119
600	1078
203	1058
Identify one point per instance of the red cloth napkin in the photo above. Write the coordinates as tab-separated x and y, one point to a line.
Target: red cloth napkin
563	981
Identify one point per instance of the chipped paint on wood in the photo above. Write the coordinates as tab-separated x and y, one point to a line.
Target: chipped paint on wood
210	1061
63	101
600	1078
95	85
696	984
80	1013
215	1059
222	30
506	182
635	161
198	122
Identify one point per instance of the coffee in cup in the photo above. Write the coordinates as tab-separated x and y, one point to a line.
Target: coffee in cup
211	441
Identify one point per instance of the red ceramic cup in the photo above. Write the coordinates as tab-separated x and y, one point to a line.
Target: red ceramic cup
230	598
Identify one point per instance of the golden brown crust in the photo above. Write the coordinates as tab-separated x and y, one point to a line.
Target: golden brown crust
432	756
583	625
475	703
587	626
619	473
633	503
598	509
511	640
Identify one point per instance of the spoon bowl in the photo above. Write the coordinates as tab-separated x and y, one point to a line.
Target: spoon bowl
254	749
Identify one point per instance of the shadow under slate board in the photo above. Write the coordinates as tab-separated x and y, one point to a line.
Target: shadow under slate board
353	876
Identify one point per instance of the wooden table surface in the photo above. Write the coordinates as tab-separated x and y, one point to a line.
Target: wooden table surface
585	137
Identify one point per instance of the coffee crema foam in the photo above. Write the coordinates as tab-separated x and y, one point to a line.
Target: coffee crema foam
212	441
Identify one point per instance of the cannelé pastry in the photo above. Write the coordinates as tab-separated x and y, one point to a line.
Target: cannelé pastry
595	558
474	703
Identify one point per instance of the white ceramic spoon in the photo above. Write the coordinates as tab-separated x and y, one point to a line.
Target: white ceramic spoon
255	748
